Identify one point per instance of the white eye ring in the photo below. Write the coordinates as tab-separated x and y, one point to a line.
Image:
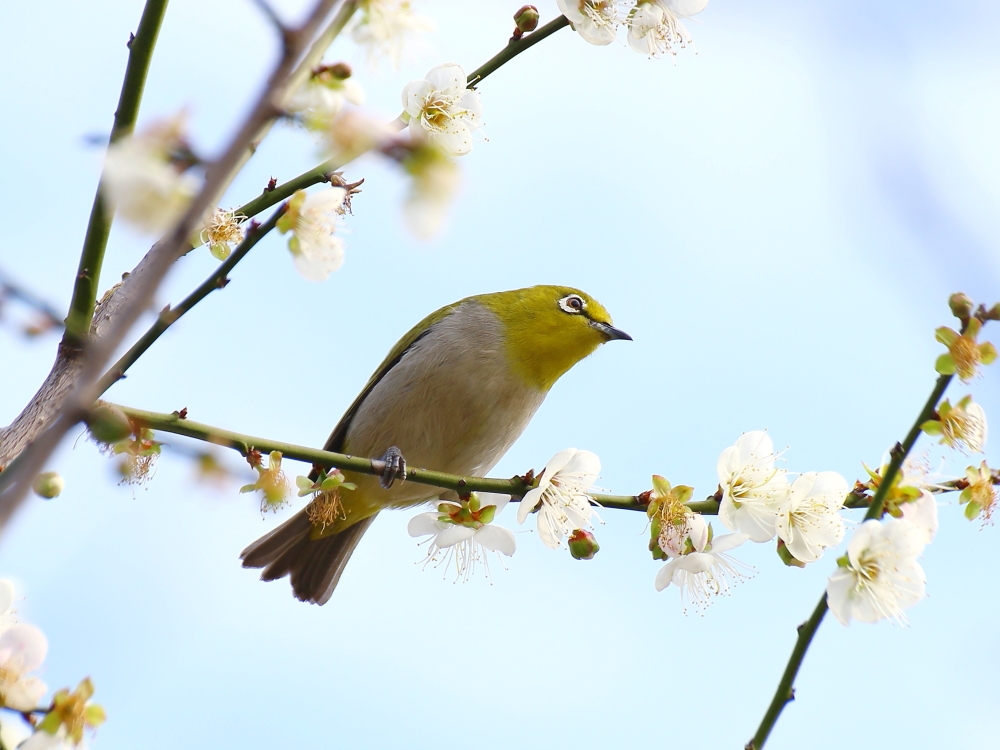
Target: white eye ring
573	304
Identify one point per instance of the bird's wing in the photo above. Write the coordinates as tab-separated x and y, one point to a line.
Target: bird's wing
335	442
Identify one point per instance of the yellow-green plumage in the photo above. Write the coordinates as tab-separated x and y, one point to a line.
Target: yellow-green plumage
453	395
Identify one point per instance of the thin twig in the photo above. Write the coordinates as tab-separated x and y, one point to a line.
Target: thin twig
88	276
514	48
217	280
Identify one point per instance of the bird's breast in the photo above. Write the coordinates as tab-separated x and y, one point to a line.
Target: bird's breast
452	403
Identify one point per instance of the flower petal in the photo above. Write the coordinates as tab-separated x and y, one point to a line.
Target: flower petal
497	538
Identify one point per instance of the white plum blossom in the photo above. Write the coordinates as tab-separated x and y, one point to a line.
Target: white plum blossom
809	520
385	26
654	27
442	109
753	490
144	178
880	575
465	544
312	218
705	570
561	496
22	650
596	21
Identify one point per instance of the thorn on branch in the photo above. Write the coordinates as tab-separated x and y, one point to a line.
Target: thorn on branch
896	451
131	38
271	185
222	283
182	414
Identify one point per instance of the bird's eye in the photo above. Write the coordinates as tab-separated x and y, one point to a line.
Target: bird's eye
572	303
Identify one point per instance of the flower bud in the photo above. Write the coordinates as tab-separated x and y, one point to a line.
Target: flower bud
787	558
525	20
340	70
961	306
583	545
48	485
108	424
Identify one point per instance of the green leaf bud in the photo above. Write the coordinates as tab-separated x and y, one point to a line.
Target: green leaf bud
786	556
108	424
48	484
961	306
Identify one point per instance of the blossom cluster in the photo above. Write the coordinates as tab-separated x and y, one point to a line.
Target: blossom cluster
653	27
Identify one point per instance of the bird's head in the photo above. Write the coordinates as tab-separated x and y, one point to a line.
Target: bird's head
548	329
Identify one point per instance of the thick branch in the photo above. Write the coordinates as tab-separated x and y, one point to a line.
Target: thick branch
81	308
81	385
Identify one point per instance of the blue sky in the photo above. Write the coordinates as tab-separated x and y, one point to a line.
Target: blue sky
777	220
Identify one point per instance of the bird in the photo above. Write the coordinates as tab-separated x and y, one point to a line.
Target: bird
452	395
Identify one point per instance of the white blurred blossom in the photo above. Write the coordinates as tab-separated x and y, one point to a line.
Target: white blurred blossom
386	26
561	496
319	100
753	490
312	219
22	650
880	575
144	176
442	109
809	520
435	182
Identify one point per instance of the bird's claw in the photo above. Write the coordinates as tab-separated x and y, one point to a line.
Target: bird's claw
393	467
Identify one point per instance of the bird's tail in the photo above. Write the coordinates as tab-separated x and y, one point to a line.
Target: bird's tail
315	565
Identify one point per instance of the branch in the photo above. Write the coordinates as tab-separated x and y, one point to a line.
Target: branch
178	424
12	290
217	280
80	386
81	308
786	691
514	48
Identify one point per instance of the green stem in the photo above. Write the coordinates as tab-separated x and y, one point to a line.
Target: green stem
81	308
169	316
514	48
899	453
786	691
314	176
174	423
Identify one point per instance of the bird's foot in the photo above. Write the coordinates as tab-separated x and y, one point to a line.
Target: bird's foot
390	467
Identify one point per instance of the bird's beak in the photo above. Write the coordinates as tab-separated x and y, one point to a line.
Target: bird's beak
610	331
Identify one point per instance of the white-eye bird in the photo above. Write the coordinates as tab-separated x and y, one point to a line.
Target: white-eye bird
453	395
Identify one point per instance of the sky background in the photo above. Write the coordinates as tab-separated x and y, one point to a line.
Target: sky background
777	221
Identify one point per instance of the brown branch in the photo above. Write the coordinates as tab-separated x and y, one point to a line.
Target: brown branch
70	387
